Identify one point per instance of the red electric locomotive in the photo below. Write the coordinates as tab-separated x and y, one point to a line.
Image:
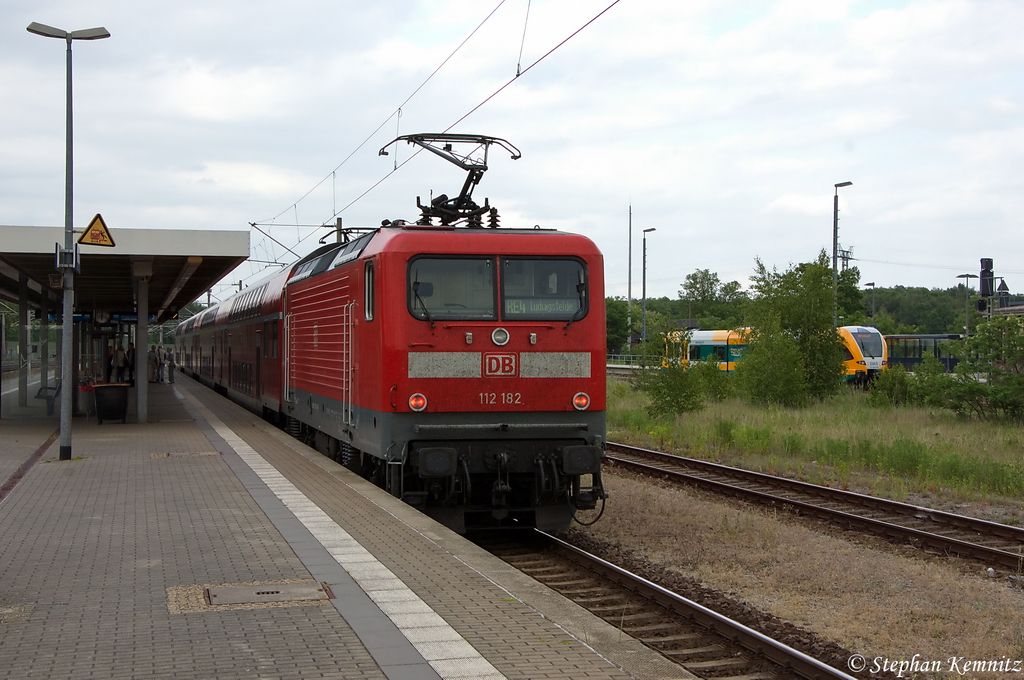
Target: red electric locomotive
458	366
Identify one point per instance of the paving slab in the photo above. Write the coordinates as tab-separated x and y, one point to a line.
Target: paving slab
104	562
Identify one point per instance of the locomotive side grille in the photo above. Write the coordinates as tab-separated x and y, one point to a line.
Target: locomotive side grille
444	364
554	364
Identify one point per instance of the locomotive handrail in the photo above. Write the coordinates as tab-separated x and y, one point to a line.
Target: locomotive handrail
287	395
348	358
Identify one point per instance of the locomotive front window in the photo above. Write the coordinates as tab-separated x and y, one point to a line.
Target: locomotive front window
452	288
543	289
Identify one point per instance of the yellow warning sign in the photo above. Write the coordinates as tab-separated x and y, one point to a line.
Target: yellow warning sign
97	234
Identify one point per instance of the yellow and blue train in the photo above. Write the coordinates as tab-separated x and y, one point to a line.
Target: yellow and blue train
865	353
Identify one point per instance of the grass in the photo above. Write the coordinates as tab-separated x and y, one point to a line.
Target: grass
897	453
869	599
865	596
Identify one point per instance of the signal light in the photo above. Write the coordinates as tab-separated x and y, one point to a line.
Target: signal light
417	402
581	402
986	287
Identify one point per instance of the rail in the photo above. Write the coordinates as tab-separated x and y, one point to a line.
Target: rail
990	542
701	640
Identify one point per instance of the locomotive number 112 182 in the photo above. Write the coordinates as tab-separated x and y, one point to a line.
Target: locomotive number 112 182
501	398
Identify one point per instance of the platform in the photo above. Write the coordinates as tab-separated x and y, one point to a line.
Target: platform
106	560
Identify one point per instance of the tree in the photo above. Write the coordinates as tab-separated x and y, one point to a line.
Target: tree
920	310
617	330
713	303
798	303
887	325
849	299
996	352
701	288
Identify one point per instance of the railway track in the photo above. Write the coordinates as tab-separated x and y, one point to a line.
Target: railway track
706	643
989	542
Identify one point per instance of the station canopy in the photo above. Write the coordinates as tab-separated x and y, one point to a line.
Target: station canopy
181	265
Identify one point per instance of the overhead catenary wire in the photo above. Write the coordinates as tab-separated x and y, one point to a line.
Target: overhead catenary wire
398	113
484	101
947	267
522	43
542	58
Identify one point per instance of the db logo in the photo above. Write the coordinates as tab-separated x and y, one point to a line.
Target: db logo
500	364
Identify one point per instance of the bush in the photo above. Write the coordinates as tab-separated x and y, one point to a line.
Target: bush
773	371
931	384
715	384
671	390
892	387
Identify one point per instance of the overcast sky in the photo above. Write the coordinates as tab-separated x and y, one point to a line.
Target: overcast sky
725	124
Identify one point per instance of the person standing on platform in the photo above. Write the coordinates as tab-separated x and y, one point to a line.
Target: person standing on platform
151	363
110	362
119	362
130	357
170	365
161	364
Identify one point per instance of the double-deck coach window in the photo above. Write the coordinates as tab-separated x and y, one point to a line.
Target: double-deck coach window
465	288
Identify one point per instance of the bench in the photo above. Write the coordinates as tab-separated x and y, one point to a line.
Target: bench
50	395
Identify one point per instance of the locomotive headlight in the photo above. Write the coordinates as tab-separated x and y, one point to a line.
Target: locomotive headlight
581	402
499	336
417	402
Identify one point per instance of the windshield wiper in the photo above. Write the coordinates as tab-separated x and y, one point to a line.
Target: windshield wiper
423	305
580	287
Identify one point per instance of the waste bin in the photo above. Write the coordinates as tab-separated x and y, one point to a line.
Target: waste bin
111	401
86	401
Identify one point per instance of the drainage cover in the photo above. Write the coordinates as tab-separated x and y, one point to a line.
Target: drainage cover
283	592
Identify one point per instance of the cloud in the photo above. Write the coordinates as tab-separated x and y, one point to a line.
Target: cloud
726	123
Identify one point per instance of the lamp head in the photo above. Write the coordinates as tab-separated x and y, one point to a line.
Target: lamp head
84	34
47	31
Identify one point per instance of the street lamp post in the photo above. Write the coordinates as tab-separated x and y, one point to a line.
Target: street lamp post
629	282
67	257
835	255
643	332
967	301
872	284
